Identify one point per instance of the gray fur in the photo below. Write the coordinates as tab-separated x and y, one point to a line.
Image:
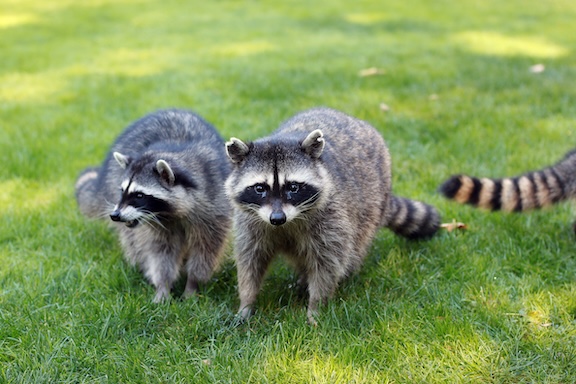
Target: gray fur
327	236
178	158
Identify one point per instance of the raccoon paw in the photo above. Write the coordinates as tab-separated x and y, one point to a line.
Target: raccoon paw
162	295
245	312
311	314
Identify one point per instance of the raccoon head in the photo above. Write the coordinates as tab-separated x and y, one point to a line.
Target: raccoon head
277	179
146	191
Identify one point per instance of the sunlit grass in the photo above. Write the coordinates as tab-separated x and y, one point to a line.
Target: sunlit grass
245	48
22	87
494	303
13	20
491	43
367	18
18	195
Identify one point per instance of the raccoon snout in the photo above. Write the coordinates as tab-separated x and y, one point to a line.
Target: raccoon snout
115	216
277	218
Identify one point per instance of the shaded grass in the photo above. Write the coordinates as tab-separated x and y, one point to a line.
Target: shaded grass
494	304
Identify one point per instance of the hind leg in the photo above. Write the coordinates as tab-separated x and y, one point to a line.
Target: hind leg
301	282
191	288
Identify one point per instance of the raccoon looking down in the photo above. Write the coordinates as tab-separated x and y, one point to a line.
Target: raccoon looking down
162	187
316	190
531	190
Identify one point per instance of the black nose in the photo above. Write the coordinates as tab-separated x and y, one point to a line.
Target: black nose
277	218
115	216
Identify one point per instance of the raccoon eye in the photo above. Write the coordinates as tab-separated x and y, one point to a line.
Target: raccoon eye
259	188
293	187
139	195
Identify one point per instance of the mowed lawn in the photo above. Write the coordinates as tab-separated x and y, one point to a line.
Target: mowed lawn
487	88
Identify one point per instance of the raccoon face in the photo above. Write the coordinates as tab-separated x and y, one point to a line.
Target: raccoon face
279	200
278	181
143	197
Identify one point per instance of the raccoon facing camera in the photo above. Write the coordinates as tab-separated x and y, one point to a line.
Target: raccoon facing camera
316	190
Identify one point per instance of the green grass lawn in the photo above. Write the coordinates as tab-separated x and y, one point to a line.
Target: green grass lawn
495	303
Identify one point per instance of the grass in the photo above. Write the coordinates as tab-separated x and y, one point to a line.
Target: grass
496	303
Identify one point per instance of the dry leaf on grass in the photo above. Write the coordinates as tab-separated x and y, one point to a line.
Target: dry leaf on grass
371	72
537	68
453	225
384	107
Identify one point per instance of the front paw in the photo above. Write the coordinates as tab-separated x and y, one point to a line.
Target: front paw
245	312
311	315
162	295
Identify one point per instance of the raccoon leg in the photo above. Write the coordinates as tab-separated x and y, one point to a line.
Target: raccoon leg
162	293
323	277
251	266
199	267
191	288
153	257
320	290
162	269
302	282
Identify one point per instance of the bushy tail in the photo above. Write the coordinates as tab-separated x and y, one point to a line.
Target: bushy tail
532	190
87	193
412	219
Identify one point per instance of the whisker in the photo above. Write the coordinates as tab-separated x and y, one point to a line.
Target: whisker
251	207
311	199
107	209
151	218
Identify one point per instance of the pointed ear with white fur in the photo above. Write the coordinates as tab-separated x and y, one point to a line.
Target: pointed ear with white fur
313	144
121	159
165	172
237	150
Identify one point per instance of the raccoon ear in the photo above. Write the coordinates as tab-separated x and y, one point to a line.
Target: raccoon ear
236	150
313	144
121	159
165	172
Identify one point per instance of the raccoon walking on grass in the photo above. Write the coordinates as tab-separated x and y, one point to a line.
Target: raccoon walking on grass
532	190
162	188
316	190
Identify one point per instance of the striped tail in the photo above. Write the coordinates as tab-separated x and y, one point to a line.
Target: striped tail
532	190
87	192
412	219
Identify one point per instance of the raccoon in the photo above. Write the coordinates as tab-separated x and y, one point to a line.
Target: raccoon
162	188
315	190
532	190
